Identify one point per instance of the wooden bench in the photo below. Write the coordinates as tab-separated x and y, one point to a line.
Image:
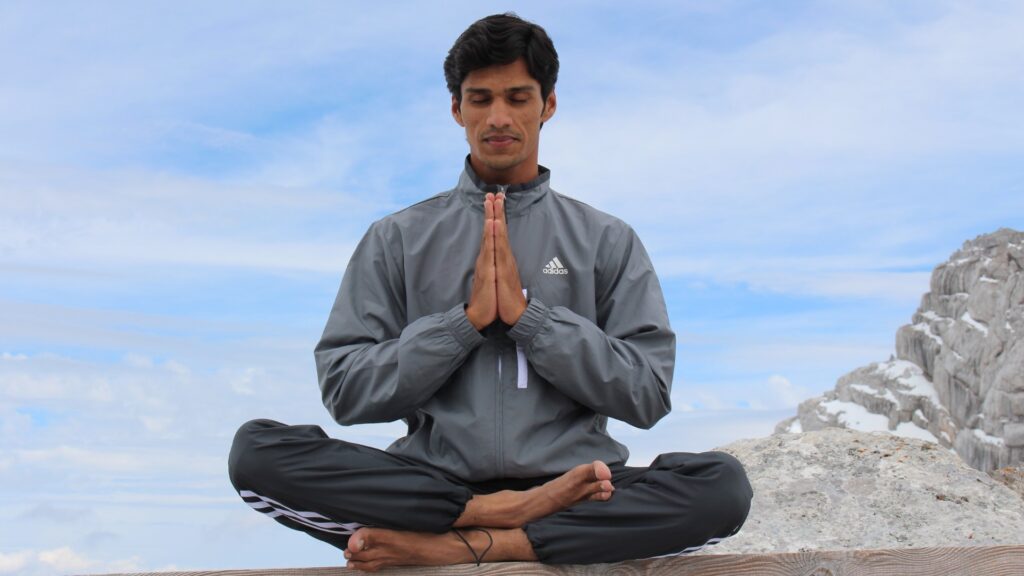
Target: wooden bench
967	560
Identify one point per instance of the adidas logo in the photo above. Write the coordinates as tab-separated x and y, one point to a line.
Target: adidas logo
555	267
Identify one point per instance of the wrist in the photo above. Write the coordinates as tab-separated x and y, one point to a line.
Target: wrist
474	319
517	313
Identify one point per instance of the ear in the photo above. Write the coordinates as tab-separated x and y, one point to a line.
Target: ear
550	103
457	112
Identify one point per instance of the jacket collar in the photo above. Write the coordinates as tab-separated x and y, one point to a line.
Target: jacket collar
518	197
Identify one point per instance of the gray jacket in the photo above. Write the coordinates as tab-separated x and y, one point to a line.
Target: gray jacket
522	401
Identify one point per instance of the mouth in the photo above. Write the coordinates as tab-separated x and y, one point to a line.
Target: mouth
500	140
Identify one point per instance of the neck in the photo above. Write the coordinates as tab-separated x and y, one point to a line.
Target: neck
519	174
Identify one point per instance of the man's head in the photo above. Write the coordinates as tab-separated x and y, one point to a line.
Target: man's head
502	39
501	73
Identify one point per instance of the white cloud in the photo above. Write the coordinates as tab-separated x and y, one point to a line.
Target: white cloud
815	143
846	276
28	384
177	368
243	383
120	461
56	514
157	424
802	95
138	361
761	138
73	218
62	560
815	355
786	393
211	61
13	562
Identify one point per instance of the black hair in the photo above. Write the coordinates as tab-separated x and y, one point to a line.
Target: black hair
502	39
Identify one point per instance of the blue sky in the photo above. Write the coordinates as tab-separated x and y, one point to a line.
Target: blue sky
182	184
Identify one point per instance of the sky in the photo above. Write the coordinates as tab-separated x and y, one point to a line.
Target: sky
182	183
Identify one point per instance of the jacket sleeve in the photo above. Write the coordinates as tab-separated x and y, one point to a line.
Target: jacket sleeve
622	366
373	365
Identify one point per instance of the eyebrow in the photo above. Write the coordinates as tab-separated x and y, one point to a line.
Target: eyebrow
512	90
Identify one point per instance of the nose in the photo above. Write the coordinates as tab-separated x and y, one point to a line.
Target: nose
498	116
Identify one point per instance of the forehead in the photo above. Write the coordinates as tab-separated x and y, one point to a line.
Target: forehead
500	78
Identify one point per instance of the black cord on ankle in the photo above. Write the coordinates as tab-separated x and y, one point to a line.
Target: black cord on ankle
479	558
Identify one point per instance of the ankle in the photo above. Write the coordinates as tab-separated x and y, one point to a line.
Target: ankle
510	546
515	509
535	504
478	541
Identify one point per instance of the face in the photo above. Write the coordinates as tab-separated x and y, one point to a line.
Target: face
502	111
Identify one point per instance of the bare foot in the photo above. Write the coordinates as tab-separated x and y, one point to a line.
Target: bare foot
370	549
513	509
585	482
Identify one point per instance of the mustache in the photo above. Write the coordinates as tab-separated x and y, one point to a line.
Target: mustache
493	133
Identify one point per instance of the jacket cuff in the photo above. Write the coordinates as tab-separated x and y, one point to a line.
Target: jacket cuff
459	325
530	322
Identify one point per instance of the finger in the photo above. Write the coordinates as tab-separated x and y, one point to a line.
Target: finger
500	243
499	206
489	206
487	248
504	259
501	226
487	232
486	239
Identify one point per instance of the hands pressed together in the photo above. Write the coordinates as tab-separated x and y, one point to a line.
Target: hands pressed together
497	291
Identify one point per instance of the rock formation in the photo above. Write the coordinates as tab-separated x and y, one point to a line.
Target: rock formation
958	375
843	489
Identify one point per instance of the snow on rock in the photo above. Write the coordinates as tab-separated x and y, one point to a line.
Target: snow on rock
855	417
958	375
926	329
886	394
974	323
911	430
986	438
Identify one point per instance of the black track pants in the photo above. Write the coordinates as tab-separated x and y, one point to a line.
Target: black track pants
328	488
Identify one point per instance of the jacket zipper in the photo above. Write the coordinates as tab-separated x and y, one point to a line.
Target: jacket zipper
499	420
521	374
498	430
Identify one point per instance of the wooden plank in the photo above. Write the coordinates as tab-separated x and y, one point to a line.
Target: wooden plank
946	561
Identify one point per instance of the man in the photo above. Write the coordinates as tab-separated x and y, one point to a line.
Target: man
504	323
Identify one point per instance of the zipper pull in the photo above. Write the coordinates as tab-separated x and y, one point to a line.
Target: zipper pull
522	377
501	190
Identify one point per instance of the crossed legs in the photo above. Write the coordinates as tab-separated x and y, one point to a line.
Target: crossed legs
493	525
383	510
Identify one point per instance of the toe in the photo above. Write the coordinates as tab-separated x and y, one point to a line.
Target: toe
582	473
359	541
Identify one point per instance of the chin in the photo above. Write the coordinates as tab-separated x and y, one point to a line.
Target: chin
500	166
500	162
